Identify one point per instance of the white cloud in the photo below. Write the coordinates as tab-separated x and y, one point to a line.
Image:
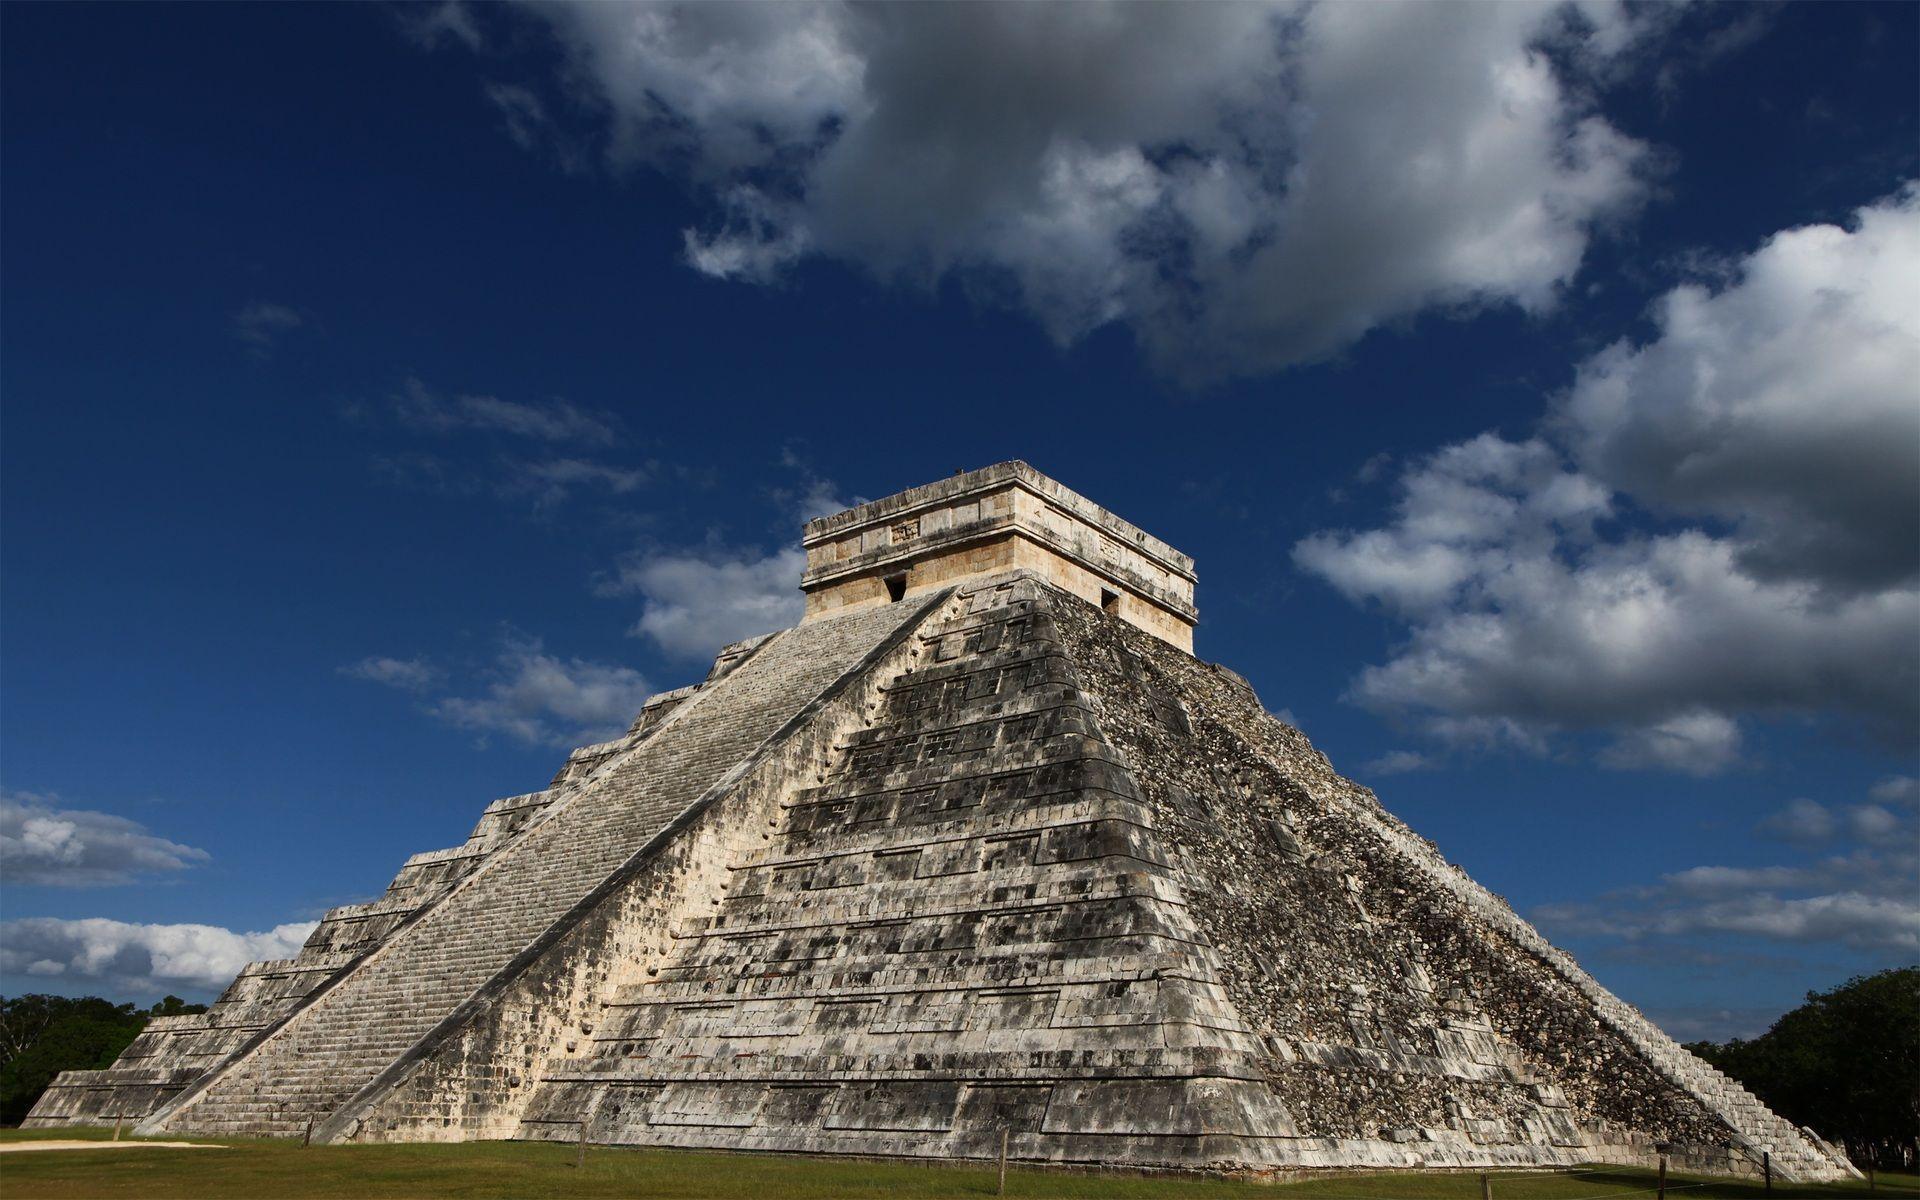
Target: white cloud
1784	403
813	495
1867	897
125	957
1896	789
408	674
1538	601
1871	823
429	25
261	324
1244	185
1806	822
525	693
419	407
568	436
694	602
64	847
755	246
1886	924
551	481
1694	743
1371	470
539	699
1802	821
1398	762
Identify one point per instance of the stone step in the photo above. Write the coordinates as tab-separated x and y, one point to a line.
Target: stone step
400	992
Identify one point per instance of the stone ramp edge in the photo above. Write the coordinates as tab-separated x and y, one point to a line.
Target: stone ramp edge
343	1124
1668	1058
1748	1125
156	1120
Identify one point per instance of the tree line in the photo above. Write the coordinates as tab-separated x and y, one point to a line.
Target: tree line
1846	1064
41	1036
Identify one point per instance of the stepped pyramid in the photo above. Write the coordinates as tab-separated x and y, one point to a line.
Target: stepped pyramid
978	846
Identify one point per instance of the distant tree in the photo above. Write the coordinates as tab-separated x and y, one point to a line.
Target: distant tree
22	1020
1846	1064
174	1006
41	1036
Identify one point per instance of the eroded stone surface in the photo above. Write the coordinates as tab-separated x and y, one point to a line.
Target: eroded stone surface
391	970
911	875
1000	518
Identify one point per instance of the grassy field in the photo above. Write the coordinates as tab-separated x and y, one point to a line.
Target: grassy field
286	1171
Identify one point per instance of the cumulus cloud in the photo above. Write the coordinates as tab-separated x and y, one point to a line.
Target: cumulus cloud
41	843
1808	822
1871	823
1801	821
1897	789
525	693
1694	743
1863	897
694	602
814	496
540	699
1783	404
410	674
261	324
119	956
419	407
1886	923
1245	186
1716	524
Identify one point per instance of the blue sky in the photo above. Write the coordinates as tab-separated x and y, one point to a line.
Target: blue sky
393	397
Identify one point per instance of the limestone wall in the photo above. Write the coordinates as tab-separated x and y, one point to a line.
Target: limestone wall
988	521
1074	885
482	1081
958	926
175	1052
367	1019
1354	945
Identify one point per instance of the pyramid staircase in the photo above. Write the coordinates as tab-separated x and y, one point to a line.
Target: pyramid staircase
309	1065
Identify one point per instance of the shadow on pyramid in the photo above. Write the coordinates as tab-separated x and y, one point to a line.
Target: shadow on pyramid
977	849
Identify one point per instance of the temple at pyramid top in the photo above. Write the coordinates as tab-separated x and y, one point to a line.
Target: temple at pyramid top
995	519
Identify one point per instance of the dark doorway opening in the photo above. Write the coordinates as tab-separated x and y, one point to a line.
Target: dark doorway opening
896	588
1110	602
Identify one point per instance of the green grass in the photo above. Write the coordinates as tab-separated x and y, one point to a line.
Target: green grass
287	1171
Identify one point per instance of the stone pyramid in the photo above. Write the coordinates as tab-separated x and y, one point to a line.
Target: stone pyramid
978	846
